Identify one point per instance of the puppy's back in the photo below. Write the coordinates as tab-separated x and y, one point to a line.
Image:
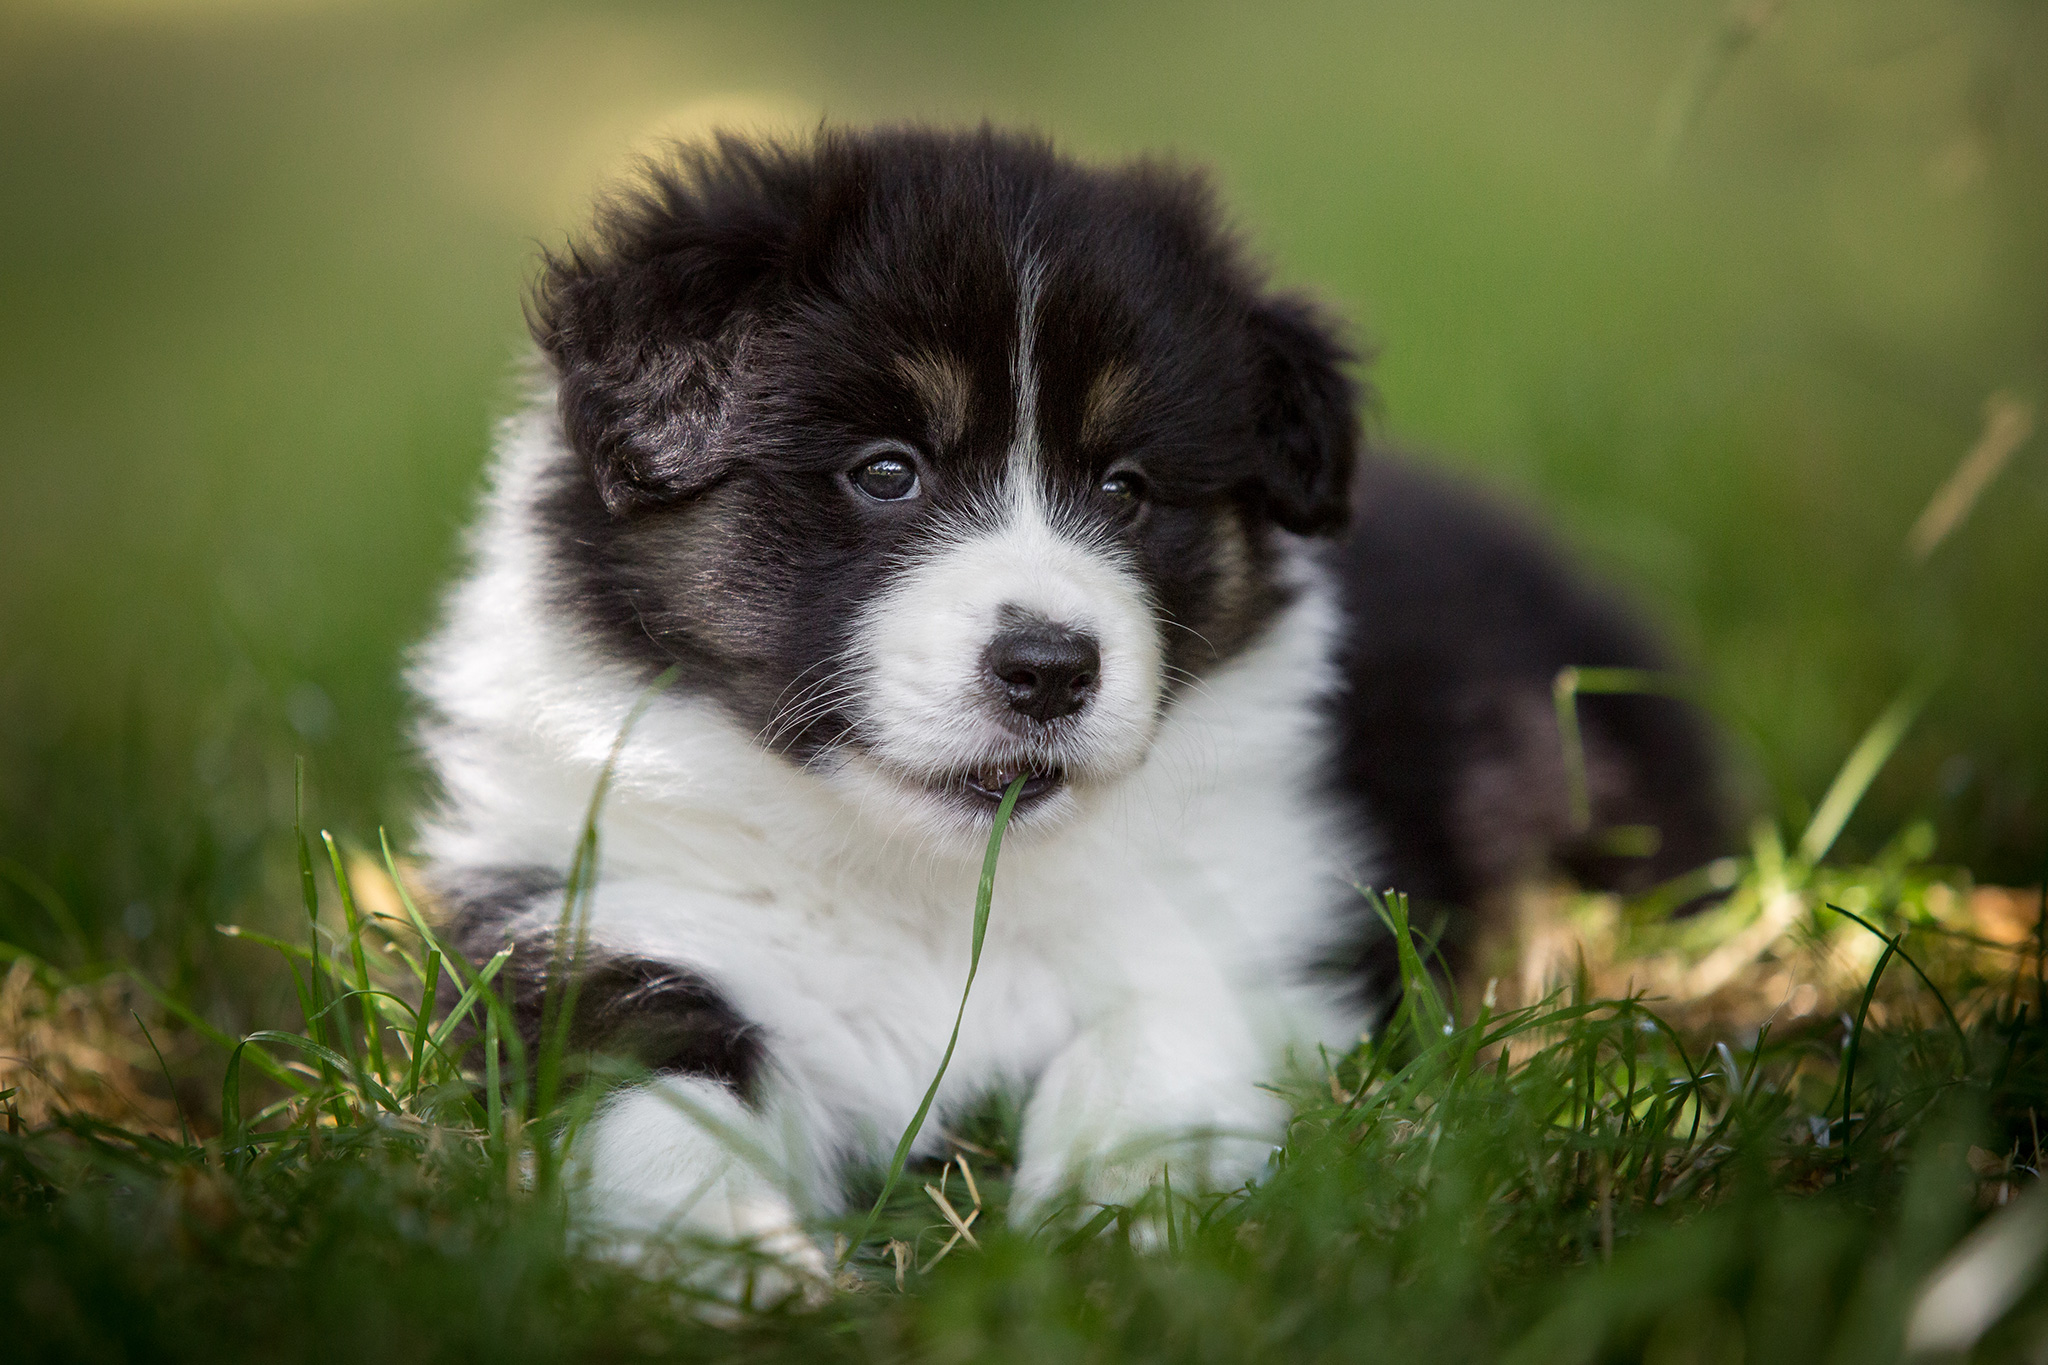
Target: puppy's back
1461	616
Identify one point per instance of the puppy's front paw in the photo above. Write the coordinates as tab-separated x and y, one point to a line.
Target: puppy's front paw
1151	1176
669	1188
754	1257
733	1250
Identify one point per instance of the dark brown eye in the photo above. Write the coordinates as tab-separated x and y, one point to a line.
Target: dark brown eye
1125	488
886	478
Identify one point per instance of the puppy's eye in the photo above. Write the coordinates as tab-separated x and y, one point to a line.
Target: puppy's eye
886	478
1124	488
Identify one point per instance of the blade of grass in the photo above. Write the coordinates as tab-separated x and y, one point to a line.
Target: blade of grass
477	988
373	1030
476	979
1421	1007
184	1128
469	996
295	951
1572	683
1088	1231
984	894
231	1080
1855	1044
494	1098
560	986
423	1023
558	995
309	893
292	953
1897	945
1166	1189
1865	761
517	1070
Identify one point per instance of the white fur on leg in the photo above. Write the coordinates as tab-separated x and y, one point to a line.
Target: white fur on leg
1147	1091
680	1160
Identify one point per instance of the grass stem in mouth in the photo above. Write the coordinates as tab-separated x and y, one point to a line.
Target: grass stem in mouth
983	894
992	783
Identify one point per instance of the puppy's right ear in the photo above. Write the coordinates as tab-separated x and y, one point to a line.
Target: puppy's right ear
645	324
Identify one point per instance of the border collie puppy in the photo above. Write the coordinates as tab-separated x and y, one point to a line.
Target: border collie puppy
925	461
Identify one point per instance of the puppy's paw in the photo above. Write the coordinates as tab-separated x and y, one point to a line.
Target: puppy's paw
738	1256
674	1182
1146	1181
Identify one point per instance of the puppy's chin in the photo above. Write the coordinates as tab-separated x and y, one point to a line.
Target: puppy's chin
952	808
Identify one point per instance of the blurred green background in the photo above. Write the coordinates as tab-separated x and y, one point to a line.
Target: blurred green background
1726	291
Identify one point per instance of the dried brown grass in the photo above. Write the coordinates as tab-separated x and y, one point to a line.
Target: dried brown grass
1770	953
77	1049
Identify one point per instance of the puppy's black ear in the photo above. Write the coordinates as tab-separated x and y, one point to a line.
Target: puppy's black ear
645	324
1307	416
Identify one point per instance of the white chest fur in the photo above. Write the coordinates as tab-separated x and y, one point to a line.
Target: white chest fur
1146	960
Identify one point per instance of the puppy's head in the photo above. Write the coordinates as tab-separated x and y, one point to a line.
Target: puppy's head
935	459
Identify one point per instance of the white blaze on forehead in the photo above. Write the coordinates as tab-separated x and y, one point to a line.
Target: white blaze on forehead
1025	467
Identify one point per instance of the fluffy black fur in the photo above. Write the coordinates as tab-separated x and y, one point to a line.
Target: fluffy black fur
659	1015
1461	617
736	327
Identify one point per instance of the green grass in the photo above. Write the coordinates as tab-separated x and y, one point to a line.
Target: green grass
1574	1180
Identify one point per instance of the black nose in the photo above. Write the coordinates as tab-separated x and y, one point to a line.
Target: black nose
1043	670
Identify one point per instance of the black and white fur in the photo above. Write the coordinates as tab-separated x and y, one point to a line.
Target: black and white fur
1132	559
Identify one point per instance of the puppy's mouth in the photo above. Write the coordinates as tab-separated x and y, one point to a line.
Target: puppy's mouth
988	783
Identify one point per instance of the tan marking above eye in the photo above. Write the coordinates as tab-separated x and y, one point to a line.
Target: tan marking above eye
941	385
1106	398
